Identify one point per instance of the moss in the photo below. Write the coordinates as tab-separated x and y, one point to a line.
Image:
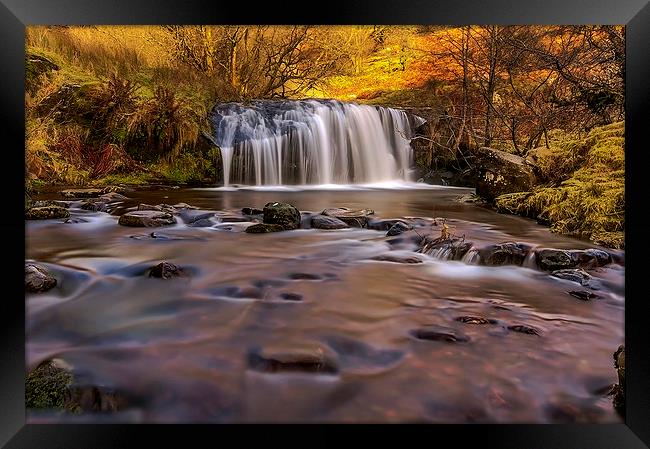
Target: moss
588	202
48	386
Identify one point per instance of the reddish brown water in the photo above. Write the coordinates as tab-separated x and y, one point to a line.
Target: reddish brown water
180	348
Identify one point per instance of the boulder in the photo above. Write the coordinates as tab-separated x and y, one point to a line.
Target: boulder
166	270
325	222
509	253
591	258
499	172
38	279
81	193
452	248
355	218
398	228
146	218
282	214
554	259
262	228
46	212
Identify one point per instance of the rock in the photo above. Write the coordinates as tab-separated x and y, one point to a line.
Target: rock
75	220
121	190
446	249
232	218
52	385
183	206
190	216
354	218
262	228
143	206
81	193
282	214
112	197
38	279
93	205
433	333
398	228
291	296
146	218
591	258
304	358
252	211
397	258
499	172
47	203
383	225
619	389
554	259
509	253
166	270
524	329
305	276
583	295
201	223
46	213
577	275
325	222
475	320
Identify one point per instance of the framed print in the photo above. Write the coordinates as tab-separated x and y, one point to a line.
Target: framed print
408	216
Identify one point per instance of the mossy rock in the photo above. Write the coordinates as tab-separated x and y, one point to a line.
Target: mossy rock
285	215
554	259
46	212
263	228
146	219
81	193
48	387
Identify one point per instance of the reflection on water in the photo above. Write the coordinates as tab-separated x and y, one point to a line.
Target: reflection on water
303	326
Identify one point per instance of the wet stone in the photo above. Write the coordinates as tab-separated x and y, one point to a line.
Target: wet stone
305	276
93	205
577	275
81	193
445	248
46	213
282	214
439	334
385	224
524	329
354	218
75	220
398	258
509	253
291	296
325	222
146	218
398	228
252	211
583	295
263	228
554	259
166	270
201	223
303	360
475	320
38	279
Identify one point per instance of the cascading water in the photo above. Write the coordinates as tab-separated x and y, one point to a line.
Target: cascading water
312	142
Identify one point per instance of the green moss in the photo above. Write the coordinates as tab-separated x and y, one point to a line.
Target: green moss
47	386
587	195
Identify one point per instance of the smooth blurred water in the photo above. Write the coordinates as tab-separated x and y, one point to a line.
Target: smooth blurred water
182	347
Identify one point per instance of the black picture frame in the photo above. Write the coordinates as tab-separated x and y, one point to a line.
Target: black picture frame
16	14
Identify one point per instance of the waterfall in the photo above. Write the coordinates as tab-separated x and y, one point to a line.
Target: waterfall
312	142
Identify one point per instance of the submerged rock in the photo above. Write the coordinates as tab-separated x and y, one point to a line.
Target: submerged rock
434	333
452	248
509	253
46	213
325	222
475	320
263	228
146	218
354	218
524	329
304	358
583	295
409	259
38	279
282	214
166	270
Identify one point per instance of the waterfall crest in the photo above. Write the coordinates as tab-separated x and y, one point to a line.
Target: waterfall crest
312	142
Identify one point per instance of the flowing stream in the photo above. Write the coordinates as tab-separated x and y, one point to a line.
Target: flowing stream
192	349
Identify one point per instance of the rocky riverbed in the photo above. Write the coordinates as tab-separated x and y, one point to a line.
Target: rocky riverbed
205	305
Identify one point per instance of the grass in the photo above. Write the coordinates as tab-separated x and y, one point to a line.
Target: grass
584	195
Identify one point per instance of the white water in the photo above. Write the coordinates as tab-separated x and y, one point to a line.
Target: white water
312	142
